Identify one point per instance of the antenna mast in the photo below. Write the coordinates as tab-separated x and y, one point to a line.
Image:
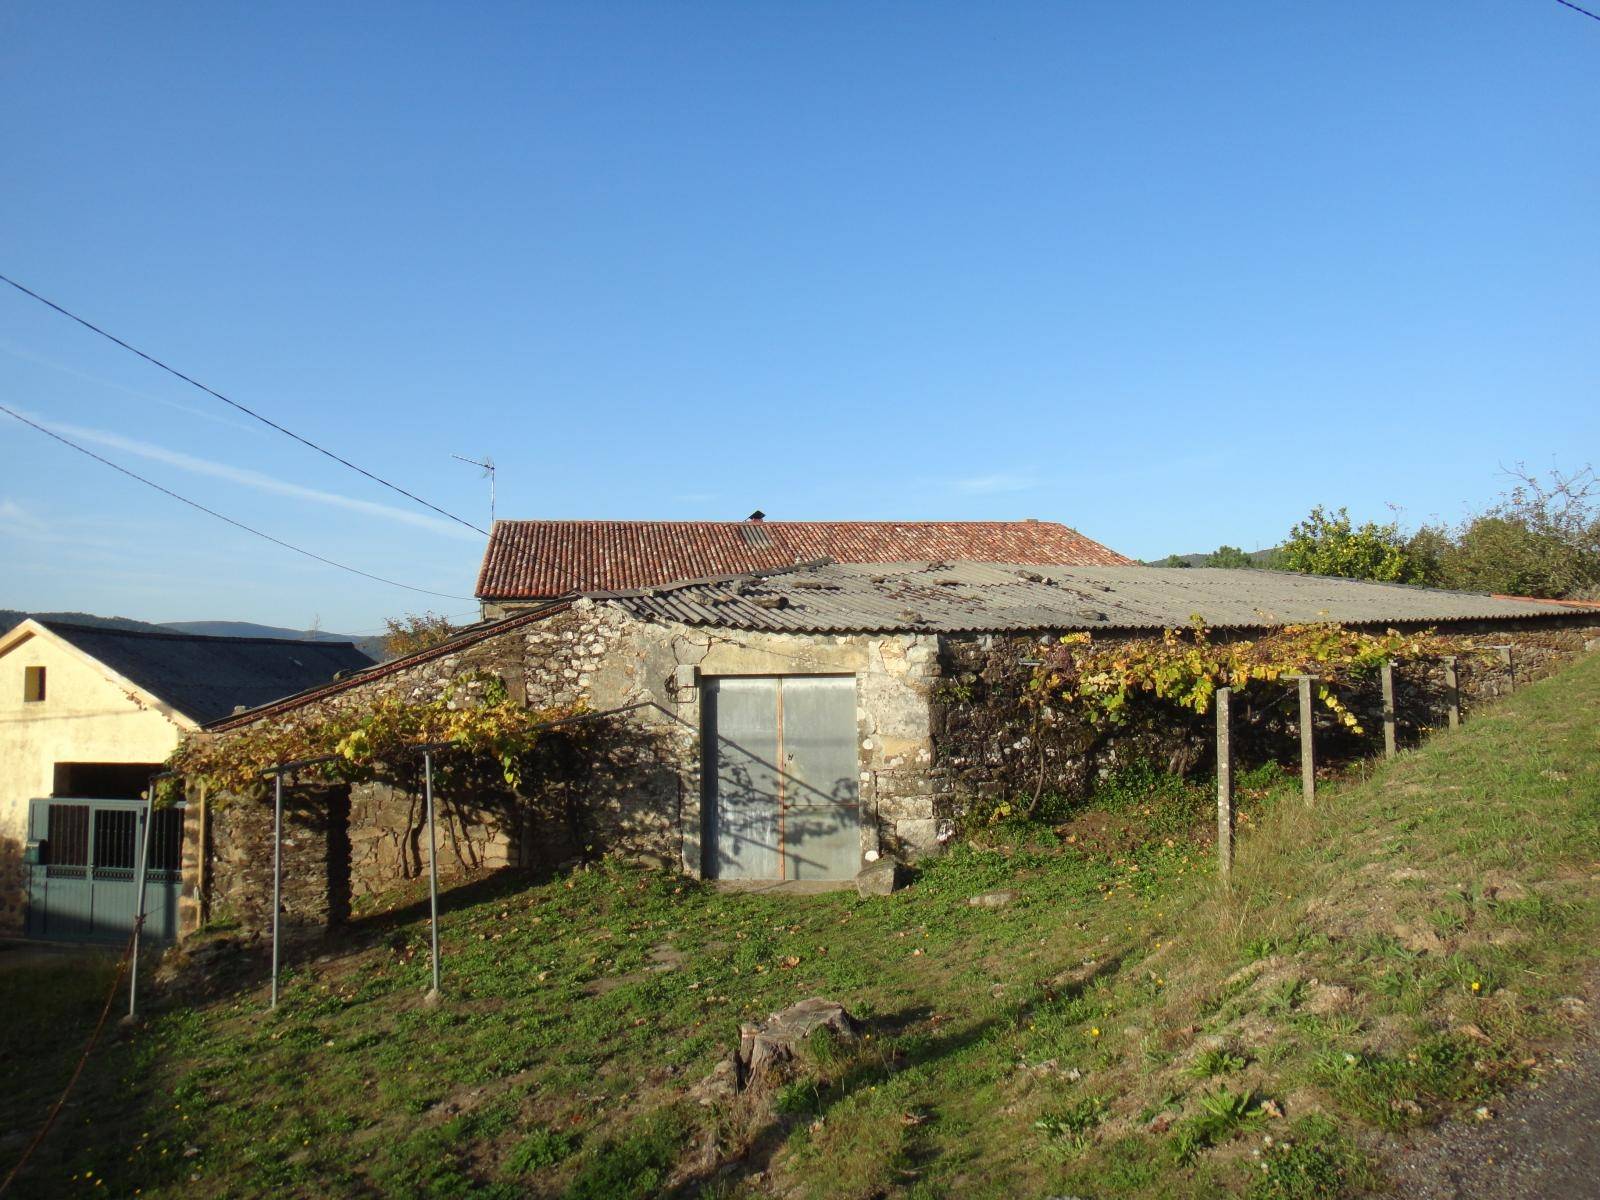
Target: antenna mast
487	466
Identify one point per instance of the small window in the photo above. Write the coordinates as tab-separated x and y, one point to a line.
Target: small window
33	684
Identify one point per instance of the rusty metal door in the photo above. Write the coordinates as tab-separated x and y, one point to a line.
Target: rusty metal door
782	800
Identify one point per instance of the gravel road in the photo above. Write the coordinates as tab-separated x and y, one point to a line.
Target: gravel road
1542	1143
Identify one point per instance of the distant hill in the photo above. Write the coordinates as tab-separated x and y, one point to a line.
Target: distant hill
10	617
1258	558
371	646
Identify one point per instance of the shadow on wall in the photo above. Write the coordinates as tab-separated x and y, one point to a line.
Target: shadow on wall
316	858
992	750
13	888
765	822
606	787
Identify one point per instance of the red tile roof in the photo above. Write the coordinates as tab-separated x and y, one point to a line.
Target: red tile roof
536	559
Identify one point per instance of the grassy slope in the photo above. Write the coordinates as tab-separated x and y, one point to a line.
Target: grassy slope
1124	1026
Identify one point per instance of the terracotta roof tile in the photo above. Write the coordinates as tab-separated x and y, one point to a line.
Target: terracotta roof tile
539	559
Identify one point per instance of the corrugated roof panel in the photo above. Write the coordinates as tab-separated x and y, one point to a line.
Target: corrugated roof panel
985	597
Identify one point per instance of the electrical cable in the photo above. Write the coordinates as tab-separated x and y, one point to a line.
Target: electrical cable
1576	8
270	423
210	512
249	412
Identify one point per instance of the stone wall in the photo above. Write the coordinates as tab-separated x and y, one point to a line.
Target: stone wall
13	886
937	730
903	804
986	752
315	886
629	782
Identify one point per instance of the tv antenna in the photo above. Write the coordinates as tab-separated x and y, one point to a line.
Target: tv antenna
487	466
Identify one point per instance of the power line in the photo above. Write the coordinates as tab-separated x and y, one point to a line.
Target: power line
249	412
213	513
1575	8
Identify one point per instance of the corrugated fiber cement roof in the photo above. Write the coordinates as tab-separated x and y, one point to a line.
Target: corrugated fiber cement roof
973	597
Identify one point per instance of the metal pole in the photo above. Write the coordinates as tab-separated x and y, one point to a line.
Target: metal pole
1308	759
202	874
1225	781
433	874
277	876
148	815
1387	675
1452	691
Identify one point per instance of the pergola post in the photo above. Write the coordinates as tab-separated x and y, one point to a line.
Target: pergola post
1225	781
1387	677
1452	691
277	876
1308	753
140	877
433	875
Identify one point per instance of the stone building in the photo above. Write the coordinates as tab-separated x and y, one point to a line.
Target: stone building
785	725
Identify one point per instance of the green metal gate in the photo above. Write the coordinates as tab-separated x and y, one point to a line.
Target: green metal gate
83	871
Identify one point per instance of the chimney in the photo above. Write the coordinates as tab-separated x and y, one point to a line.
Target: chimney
758	515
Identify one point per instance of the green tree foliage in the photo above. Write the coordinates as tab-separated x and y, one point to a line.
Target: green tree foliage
1541	539
1174	560
1331	544
413	632
1229	556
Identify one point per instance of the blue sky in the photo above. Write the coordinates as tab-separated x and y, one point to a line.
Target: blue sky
1171	273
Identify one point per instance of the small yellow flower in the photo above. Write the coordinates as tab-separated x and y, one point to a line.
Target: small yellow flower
1476	986
1095	1031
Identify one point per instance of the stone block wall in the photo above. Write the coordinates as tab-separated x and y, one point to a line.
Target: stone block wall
599	785
316	857
987	752
903	803
938	726
13	886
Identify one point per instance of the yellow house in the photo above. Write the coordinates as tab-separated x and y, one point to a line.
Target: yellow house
87	714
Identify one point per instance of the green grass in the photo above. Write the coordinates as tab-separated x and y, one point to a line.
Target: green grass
1126	1027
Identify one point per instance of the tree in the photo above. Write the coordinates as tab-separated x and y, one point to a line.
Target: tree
1542	538
1426	550
1229	556
1330	544
413	632
1174	560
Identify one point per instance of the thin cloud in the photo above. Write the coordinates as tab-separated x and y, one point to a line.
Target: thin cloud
19	522
28	356
255	479
988	485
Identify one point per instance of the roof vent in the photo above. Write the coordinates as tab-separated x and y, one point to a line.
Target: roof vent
758	515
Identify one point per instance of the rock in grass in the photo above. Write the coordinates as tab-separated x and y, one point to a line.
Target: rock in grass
881	878
995	899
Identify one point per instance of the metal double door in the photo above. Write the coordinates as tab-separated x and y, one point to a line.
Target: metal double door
782	786
84	884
